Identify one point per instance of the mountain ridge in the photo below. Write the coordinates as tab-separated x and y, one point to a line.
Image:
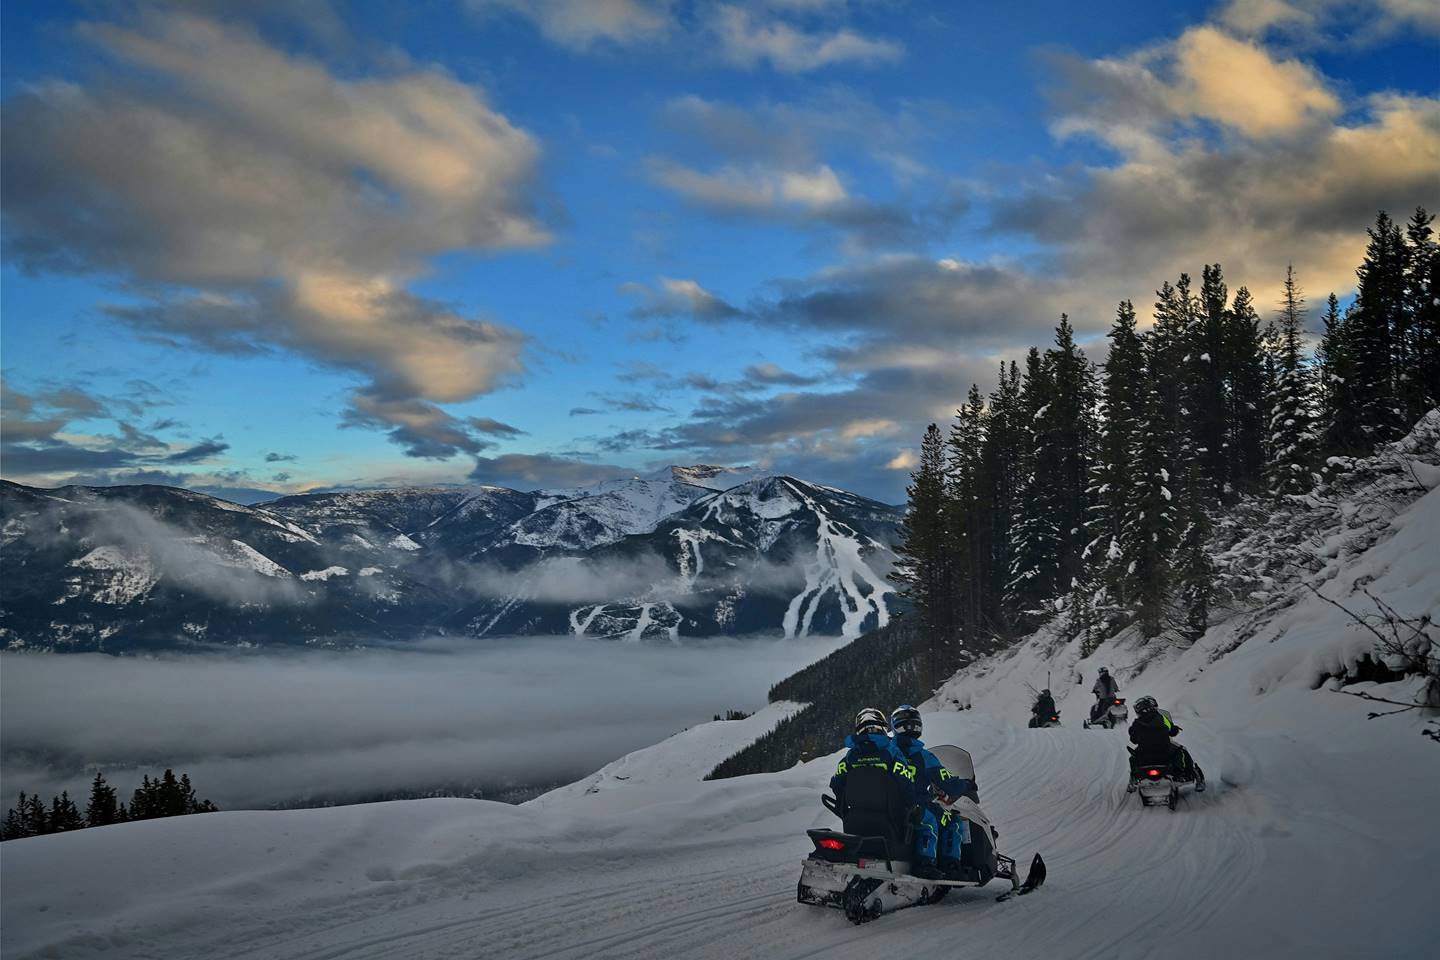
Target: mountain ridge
143	567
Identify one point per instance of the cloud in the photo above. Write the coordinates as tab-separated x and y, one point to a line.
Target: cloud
202	451
741	35
747	40
258	202
280	458
904	460
251	733
535	471
797	163
584	411
1330	21
678	298
37	444
584	24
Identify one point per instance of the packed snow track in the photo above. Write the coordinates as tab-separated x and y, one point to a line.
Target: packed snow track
654	865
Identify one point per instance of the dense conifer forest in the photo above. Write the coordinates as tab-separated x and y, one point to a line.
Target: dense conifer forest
1092	495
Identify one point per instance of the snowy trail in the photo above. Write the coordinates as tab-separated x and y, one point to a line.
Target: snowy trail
672	868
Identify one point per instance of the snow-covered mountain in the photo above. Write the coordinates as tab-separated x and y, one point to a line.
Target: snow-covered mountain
1317	837
128	567
771	552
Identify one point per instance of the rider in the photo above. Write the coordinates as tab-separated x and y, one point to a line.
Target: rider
1105	691
1151	733
869	746
1043	710
940	830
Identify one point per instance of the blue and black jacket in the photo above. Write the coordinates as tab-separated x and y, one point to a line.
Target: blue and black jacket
929	772
870	750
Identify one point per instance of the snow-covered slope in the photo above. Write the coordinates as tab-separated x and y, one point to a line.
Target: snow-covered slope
1318	837
1317	840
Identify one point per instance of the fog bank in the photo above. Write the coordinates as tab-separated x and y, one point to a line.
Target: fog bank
261	729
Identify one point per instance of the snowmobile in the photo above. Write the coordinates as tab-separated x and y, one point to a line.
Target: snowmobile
1040	720
864	868
1161	783
1116	714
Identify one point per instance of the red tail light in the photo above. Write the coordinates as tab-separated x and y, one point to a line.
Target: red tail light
830	843
1118	701
1153	773
1055	718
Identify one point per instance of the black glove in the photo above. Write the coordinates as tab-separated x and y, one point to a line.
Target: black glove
916	816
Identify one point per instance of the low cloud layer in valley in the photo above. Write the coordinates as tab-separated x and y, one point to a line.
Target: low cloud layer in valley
320	726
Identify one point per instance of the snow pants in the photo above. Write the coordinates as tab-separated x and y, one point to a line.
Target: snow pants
954	830
927	835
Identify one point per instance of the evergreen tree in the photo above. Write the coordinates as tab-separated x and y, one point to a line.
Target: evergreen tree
1293	442
1247	409
1002	466
1340	426
144	803
102	808
15	825
35	821
966	513
921	567
64	815
1034	566
1420	372
1112	491
1071	447
1375	326
1209	407
1161	448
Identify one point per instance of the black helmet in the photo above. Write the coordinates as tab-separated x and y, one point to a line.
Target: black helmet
1045	693
1104	671
905	721
870	720
1146	705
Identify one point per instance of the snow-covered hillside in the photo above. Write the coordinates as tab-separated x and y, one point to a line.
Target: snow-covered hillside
1318	837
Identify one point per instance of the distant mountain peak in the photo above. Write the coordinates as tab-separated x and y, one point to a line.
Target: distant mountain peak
707	475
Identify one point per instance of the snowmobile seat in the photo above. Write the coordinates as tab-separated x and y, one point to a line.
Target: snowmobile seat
875	809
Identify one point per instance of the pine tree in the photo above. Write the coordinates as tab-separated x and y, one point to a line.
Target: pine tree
968	540
1209	407
1162	448
144	804
34	818
64	815
102	807
920	566
1247	408
1034	567
15	825
1293	442
1072	447
1112	490
1420	370
1340	425
1002	467
1378	315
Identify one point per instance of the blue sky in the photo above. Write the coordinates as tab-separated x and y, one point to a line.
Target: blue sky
254	248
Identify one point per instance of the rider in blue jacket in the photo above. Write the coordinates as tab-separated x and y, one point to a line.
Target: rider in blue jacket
869	746
940	832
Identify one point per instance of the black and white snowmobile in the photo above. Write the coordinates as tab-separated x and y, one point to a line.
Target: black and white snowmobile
1161	783
864	869
1041	720
1115	714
